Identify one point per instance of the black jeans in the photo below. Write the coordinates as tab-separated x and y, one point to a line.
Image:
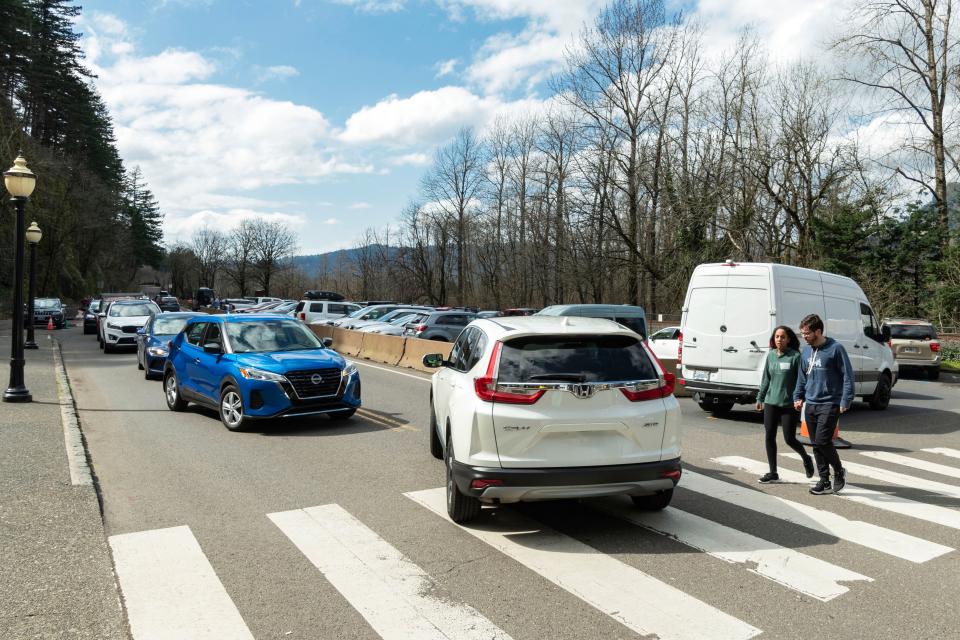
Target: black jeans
787	418
821	422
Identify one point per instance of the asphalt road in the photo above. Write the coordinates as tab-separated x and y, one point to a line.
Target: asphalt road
549	570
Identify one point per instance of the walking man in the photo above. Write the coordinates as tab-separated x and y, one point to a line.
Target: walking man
825	383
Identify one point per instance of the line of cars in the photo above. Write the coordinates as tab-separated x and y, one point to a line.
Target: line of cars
246	366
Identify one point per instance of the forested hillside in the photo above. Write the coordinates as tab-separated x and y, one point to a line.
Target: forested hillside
100	222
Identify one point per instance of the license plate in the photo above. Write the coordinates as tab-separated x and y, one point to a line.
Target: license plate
911	350
701	375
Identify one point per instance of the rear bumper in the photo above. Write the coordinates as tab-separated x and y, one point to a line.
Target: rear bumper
735	392
518	485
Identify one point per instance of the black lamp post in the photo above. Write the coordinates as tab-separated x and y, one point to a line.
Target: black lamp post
33	237
20	182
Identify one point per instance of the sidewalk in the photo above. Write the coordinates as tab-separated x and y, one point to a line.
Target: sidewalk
56	573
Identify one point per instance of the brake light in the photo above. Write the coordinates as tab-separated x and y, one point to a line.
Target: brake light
420	328
488	390
303	316
680	348
673	474
934	346
483	483
664	389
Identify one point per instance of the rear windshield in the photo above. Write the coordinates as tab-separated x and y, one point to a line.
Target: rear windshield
574	359
912	332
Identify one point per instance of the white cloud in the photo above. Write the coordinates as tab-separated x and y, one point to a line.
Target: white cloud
360	205
374	6
446	67
411	159
181	228
278	72
331	221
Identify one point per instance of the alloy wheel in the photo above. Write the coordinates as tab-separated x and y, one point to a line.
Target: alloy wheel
231	407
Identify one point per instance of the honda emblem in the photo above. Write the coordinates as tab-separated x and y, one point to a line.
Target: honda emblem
582	391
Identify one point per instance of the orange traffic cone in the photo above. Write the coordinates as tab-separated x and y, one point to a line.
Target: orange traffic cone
804	436
49	324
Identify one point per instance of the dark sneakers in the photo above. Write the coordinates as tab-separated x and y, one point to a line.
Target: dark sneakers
808	466
769	477
839	480
821	488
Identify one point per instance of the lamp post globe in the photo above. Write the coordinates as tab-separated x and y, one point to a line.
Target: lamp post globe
33	234
19	181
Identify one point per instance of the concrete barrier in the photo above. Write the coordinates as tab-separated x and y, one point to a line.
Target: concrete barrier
321	330
415	349
386	349
346	341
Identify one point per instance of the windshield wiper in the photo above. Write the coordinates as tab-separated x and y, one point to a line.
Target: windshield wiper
572	377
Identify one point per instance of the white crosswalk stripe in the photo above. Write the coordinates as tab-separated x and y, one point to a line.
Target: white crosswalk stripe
915	463
392	593
600	580
788	567
170	589
893	477
887	502
944	451
888	541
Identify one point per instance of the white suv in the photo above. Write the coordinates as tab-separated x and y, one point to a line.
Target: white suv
122	320
539	407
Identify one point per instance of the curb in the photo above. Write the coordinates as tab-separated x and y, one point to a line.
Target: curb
80	473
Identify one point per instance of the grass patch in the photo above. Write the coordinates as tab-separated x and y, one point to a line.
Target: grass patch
952	366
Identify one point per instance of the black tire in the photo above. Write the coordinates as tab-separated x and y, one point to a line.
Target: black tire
231	410
87	331
436	447
716	408
342	415
107	347
171	391
655	502
933	374
100	342
881	395
460	508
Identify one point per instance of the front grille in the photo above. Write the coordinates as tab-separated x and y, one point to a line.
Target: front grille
131	329
327	384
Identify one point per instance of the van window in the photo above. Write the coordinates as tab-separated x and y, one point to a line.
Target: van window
705	311
574	359
871	328
842	321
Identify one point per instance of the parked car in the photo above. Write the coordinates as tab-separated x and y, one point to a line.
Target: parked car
519	311
232	305
374	312
545	407
915	344
359	323
665	343
153	340
630	316
122	320
439	325
318	311
261	299
169	303
46	309
323	295
90	317
260	306
251	367
488	314
203	297
394	326
730	311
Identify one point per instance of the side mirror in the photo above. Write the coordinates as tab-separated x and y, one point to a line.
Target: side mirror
885	333
328	342
213	347
433	360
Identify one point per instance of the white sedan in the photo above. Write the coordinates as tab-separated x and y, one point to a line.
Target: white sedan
665	343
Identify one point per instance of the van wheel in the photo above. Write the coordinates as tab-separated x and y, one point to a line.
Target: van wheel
881	395
460	508
656	502
436	447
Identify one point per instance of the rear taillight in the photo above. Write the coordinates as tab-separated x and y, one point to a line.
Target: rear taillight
488	390
420	328
637	393
673	474
934	346
303	316
680	349
483	483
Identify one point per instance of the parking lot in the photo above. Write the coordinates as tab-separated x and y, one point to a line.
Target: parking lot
313	529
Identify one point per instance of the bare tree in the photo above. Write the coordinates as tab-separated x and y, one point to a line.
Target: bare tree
241	244
910	55
209	247
274	243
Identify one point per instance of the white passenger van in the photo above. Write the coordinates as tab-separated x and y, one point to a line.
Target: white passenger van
732	308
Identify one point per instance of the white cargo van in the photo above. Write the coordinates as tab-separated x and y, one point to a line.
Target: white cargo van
732	308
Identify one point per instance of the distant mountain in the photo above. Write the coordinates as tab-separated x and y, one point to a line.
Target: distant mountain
335	260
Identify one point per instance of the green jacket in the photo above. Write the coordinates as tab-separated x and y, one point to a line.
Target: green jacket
779	378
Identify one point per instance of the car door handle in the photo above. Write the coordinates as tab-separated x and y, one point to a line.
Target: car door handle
731	350
196	361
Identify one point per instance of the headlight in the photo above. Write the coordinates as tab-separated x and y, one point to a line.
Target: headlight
110	325
260	374
349	370
158	352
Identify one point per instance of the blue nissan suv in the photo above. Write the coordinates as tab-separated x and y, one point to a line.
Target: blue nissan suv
153	338
251	367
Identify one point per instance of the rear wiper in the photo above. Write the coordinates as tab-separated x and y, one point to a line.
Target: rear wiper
573	377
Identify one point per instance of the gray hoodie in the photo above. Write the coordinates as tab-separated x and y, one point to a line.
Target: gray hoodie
826	375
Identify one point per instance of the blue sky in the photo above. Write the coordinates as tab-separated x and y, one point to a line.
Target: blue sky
324	114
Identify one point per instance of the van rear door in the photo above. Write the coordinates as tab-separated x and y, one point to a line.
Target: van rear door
702	319
747	324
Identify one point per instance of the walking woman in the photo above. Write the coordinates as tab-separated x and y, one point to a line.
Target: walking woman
775	399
